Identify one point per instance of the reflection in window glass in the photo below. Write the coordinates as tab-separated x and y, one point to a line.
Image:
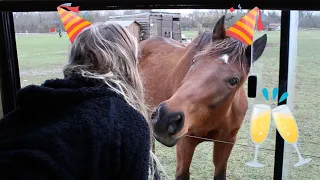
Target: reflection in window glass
306	99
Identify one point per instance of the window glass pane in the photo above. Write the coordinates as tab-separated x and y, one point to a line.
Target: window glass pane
42	49
304	75
43	52
266	69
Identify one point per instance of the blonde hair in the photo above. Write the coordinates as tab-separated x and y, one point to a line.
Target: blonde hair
110	52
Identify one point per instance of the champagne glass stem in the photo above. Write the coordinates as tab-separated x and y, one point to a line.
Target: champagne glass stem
255	163
298	151
256	153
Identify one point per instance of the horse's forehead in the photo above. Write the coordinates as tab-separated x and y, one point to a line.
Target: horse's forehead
224	58
230	63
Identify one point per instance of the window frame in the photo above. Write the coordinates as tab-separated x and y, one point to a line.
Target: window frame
10	80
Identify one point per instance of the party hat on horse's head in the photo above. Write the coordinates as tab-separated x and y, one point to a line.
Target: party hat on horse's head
243	30
73	24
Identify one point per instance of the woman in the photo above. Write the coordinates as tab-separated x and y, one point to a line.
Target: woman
90	125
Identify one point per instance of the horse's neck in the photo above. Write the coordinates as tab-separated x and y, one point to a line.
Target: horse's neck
185	62
183	66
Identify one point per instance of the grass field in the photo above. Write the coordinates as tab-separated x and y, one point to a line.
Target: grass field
43	56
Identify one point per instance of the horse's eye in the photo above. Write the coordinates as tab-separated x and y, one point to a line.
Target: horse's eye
193	60
233	81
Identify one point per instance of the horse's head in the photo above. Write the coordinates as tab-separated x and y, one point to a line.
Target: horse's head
217	70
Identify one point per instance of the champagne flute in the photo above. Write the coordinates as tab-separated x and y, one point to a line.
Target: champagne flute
288	129
259	129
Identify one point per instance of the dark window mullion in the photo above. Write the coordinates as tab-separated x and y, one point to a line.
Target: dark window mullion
283	86
9	69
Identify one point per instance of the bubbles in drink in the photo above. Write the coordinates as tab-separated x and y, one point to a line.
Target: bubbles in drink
260	126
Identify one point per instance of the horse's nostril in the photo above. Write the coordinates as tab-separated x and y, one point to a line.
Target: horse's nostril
175	124
176	118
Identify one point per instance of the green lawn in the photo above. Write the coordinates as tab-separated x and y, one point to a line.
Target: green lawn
43	56
191	34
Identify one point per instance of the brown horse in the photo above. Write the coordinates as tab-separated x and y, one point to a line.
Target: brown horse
199	91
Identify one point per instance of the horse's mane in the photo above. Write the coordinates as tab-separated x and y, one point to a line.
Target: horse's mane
231	46
202	40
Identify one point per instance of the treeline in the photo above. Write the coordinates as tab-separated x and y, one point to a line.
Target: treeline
308	19
41	22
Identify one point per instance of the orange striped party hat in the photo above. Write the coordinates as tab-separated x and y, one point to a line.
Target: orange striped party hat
243	30
72	23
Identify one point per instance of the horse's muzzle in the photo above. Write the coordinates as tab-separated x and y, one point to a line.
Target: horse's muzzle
166	124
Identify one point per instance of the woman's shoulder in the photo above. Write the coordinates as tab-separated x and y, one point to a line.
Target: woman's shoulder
110	110
116	116
120	109
130	123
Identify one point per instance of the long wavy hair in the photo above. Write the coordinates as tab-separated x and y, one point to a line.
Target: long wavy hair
109	52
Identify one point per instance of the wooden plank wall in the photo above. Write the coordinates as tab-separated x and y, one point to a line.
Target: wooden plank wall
155	20
166	25
135	29
142	20
176	29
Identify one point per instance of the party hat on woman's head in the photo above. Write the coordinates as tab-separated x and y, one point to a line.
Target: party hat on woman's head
243	30
73	24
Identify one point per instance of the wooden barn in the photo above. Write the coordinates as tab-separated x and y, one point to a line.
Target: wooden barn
132	26
155	24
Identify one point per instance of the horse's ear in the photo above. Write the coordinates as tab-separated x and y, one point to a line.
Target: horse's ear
219	31
258	48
